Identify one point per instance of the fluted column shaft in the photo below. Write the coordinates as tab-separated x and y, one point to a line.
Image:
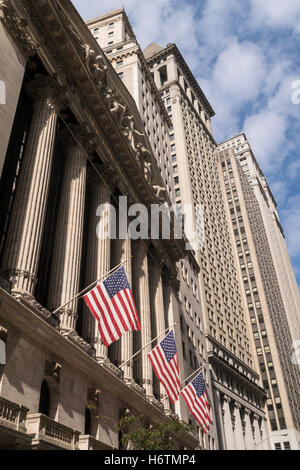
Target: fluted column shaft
127	338
230	443
249	444
238	431
98	256
24	238
65	271
141	274
156	294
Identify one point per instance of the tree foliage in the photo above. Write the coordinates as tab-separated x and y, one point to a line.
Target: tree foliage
136	435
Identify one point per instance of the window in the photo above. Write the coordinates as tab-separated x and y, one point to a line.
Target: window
287	446
120	63
44	406
277	446
88	422
121	75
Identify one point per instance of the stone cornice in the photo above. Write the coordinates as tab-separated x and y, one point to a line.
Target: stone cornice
16	27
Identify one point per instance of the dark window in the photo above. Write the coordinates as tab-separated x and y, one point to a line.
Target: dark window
44	406
287	446
87	426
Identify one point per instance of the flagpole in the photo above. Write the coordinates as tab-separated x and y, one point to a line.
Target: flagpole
91	285
148	344
195	372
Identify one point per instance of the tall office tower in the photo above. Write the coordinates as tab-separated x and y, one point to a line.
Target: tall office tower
284	271
262	293
236	391
116	37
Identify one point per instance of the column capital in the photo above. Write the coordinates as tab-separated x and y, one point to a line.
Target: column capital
47	87
78	136
158	257
171	277
109	174
17	29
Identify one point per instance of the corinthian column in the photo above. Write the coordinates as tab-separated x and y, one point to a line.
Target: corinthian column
66	260
249	443
142	298
99	248
156	295
21	256
238	431
127	338
229	433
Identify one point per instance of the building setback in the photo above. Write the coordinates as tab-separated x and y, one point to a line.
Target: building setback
262	293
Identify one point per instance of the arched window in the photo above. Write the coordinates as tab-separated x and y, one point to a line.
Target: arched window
44	406
87	428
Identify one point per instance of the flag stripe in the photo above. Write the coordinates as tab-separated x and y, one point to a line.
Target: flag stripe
112	305
164	360
195	396
163	379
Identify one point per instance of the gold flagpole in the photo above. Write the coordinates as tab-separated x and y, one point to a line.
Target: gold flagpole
148	344
91	285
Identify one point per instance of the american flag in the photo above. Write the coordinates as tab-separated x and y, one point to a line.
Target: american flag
195	396
111	303
164	360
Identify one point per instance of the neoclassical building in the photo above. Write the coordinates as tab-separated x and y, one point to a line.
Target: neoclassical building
72	139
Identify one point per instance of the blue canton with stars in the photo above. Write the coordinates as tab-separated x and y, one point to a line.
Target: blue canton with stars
116	282
169	346
199	384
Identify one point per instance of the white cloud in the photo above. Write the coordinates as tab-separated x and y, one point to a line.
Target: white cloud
291	220
266	131
276	13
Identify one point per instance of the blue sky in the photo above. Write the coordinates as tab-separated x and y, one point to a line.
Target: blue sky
245	56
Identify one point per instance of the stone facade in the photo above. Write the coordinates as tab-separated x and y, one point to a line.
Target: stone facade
234	384
262	296
80	143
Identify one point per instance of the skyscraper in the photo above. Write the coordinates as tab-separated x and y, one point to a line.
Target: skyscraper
238	396
250	210
114	34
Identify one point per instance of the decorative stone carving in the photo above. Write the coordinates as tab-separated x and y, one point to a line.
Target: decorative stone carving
160	193
16	27
112	368
94	397
74	337
47	87
78	135
52	370
30	301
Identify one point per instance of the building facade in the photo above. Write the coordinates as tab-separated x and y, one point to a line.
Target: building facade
289	290
74	141
262	294
236	386
115	36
